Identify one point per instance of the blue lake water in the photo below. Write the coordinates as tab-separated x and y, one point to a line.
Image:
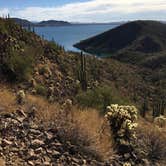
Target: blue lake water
69	35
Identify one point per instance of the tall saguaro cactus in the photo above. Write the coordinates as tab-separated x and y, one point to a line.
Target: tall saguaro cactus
159	108
82	72
144	108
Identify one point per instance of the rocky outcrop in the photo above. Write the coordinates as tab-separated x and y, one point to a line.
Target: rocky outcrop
24	142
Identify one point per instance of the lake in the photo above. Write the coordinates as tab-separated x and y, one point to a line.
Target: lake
67	36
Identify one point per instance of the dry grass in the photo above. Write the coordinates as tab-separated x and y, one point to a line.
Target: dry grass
7	100
98	133
151	143
85	128
45	111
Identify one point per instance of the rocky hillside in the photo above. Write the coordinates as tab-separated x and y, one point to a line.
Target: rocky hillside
134	42
24	57
44	68
35	132
24	142
52	104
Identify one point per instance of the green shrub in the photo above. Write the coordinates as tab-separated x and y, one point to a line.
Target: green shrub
45	70
42	70
18	67
41	90
55	46
3	29
151	144
100	98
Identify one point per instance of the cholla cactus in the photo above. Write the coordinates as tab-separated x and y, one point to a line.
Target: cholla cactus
67	105
126	164
20	97
122	122
67	110
50	93
160	121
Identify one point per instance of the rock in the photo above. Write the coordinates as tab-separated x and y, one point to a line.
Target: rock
38	151
34	132
57	144
31	163
21	113
14	150
55	154
31	152
146	162
127	156
49	136
6	142
26	142
46	163
76	160
37	143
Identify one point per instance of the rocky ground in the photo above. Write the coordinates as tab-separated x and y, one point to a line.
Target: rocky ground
23	142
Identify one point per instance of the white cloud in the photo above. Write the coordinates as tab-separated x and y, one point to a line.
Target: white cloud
4	12
95	11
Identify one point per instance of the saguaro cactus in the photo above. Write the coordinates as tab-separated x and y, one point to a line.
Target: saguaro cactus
159	108
144	108
82	72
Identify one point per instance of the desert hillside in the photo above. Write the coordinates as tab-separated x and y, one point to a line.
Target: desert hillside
66	108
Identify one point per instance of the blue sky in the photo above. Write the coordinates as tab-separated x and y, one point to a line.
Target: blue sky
29	3
85	10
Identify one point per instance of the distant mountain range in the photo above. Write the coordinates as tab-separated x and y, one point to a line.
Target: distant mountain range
137	42
24	22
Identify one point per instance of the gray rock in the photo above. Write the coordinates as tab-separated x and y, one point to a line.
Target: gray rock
37	143
6	142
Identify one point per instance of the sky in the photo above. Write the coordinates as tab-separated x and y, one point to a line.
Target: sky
85	10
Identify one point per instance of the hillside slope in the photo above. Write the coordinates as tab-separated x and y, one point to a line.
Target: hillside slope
47	118
22	22
38	66
131	42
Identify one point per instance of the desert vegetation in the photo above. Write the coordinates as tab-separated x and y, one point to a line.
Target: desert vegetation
66	108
